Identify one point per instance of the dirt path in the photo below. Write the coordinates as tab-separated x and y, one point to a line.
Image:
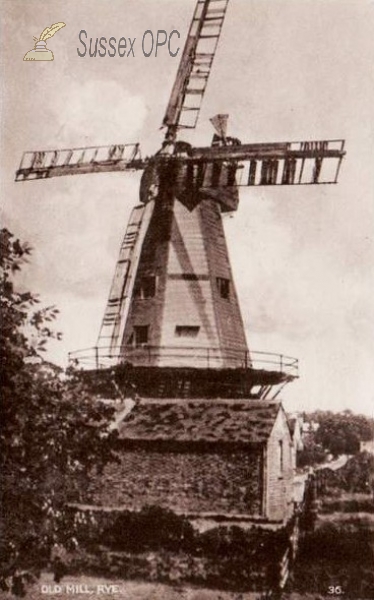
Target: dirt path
336	464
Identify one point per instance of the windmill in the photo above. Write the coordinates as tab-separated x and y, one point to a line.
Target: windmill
173	314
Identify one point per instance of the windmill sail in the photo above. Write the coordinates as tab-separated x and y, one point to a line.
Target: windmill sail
79	161
288	163
195	65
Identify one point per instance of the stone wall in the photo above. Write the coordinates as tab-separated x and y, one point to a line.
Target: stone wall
186	482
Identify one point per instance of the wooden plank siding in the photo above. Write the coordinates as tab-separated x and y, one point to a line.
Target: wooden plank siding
152	262
186	251
278	474
227	311
188	302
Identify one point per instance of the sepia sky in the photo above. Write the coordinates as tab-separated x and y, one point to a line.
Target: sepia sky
285	70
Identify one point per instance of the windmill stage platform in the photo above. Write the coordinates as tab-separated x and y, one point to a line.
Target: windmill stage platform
255	375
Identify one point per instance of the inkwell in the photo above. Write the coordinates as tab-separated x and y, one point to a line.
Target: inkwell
40	51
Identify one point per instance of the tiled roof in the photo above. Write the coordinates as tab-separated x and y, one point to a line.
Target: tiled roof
239	421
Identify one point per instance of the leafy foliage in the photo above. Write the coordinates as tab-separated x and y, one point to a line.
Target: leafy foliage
354	503
311	455
357	476
53	431
155	528
150	529
336	554
157	544
341	433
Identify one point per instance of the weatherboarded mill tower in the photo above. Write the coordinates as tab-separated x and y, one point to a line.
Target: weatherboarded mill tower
172	332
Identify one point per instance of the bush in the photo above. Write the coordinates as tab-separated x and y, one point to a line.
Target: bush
341	433
155	528
356	476
255	544
310	456
340	555
157	544
150	529
351	505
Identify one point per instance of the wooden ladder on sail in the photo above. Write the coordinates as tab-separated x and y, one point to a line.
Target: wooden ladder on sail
113	324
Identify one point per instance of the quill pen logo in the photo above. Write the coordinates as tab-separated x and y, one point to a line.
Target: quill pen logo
40	51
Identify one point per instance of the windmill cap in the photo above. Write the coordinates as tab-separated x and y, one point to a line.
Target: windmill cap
219	123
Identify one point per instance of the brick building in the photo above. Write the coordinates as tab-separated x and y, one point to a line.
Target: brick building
202	458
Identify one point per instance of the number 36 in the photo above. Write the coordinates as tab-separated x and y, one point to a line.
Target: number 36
336	590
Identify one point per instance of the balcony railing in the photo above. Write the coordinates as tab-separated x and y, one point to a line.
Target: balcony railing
183	356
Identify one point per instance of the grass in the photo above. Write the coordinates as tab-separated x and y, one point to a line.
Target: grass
127	590
137	590
340	552
348	503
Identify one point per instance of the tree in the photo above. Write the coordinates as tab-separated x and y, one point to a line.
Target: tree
341	433
54	432
311	455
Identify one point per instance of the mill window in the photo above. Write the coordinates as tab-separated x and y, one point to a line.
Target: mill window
187	330
223	287
141	335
